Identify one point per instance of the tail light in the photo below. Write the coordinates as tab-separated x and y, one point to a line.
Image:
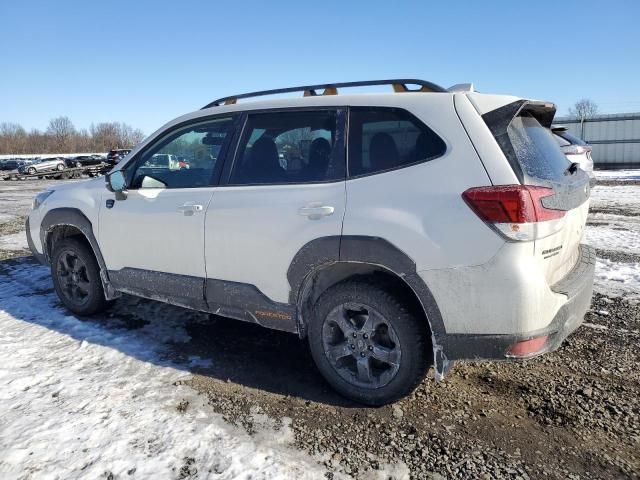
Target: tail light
575	149
516	211
527	348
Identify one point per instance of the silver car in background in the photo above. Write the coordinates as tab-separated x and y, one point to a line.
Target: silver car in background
575	149
43	165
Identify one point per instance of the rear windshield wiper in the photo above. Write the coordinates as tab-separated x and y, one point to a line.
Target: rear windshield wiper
573	168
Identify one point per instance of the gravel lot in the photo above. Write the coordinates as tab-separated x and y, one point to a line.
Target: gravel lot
571	414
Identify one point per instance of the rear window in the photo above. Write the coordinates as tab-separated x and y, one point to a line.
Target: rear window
572	139
535	149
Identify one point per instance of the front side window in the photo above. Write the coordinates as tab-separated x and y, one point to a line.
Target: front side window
290	147
382	139
186	158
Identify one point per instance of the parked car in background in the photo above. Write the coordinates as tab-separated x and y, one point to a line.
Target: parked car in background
12	164
85	160
114	156
575	149
44	165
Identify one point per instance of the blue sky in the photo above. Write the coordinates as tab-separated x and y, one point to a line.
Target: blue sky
146	62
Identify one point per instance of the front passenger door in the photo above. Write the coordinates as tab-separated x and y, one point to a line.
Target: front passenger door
153	241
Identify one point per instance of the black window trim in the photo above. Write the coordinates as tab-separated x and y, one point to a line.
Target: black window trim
134	163
341	127
400	167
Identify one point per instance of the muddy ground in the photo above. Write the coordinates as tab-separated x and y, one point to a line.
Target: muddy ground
570	414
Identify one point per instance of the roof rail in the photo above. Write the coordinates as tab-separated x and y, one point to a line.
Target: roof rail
399	85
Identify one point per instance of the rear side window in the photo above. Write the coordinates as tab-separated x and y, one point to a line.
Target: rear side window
290	147
537	152
382	139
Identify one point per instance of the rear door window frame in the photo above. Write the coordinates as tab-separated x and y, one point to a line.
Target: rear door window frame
341	144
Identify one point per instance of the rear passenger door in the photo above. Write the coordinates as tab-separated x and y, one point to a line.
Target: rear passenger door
284	189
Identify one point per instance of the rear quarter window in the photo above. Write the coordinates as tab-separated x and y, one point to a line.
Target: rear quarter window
383	139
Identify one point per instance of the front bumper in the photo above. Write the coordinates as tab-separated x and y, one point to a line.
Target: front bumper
39	256
577	285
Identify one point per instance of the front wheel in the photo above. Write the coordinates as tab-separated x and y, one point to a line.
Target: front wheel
76	277
367	344
31	171
60	167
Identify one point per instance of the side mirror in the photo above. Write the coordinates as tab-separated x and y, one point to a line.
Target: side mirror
117	184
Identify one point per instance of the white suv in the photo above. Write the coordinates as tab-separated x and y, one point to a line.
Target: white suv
395	231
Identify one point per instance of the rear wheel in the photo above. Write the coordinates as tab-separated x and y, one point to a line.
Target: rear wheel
31	171
76	277
60	167
367	344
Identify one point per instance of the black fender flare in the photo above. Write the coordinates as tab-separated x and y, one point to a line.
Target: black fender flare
375	251
73	217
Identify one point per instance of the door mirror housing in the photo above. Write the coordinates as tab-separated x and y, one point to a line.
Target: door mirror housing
117	184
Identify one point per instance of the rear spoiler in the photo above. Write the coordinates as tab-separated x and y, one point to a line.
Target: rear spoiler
501	117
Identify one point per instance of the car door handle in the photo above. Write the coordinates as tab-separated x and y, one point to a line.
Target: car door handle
190	208
315	211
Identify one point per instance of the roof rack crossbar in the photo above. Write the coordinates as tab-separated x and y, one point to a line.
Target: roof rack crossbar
399	85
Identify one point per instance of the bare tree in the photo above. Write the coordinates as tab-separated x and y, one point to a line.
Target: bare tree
584	109
12	136
137	136
62	137
61	129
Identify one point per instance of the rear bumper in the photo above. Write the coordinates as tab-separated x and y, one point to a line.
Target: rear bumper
577	285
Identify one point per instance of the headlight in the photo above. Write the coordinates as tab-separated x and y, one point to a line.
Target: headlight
40	198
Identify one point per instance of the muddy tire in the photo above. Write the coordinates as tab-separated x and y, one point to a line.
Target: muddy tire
76	277
367	344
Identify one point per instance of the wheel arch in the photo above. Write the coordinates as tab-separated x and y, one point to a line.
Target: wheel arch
60	223
316	267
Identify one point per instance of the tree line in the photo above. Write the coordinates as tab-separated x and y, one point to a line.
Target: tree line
61	136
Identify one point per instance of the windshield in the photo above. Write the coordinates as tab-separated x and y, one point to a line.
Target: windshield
535	148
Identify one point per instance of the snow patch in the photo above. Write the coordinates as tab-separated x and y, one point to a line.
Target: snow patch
616	279
81	399
623	198
14	242
617	174
614	235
